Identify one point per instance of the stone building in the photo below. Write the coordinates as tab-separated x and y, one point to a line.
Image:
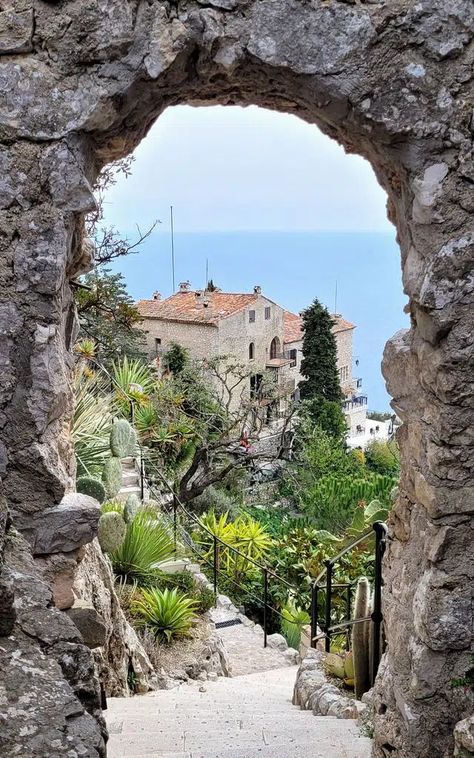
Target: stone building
255	331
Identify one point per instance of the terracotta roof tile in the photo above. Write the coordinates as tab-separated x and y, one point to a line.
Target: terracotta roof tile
189	307
293	325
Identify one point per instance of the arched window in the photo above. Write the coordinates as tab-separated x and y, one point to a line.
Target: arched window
274	348
251	351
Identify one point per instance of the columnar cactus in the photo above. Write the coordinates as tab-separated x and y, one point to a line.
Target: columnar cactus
360	638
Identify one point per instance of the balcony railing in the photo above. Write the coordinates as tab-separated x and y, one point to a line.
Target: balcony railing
285	356
356	401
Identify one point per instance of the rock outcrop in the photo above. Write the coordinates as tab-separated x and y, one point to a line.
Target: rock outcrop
121	662
80	86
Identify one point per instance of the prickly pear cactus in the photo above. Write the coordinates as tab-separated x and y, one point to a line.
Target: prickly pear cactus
131	508
112	476
111	531
122	439
91	486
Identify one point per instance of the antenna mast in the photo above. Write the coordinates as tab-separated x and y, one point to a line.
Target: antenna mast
172	248
207	273
335	300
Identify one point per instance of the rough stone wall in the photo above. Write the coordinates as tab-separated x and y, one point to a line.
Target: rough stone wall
201	341
80	85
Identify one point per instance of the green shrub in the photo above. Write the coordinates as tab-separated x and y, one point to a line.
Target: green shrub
111	531
147	543
166	613
217	501
89	485
205	598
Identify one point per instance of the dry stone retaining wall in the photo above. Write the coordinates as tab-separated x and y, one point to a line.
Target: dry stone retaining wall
80	85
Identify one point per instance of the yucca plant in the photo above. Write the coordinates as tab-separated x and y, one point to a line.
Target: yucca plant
147	544
166	613
134	380
85	348
91	424
293	621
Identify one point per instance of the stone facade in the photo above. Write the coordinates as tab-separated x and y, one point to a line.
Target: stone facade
242	328
81	85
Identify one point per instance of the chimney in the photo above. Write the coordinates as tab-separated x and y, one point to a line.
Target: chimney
185	286
198	293
257	289
157	296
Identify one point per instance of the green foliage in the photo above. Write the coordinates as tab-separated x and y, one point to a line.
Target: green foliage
134	379
327	415
383	457
185	582
114	506
467	680
108	316
112	476
319	364
91	423
166	613
216	500
176	358
333	499
244	534
111	531
147	543
377	416
123	440
91	486
294	619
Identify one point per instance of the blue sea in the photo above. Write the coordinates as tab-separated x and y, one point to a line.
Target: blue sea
292	268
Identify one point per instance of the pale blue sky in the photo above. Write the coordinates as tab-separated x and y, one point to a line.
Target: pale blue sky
231	168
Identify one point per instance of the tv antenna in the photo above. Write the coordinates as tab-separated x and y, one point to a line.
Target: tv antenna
172	248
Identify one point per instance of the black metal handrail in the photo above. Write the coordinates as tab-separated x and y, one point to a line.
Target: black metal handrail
328	628
218	544
376	617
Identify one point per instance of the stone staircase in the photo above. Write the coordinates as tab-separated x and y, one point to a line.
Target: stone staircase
249	715
130	479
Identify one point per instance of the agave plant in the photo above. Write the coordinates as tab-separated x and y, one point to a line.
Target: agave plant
166	613
85	348
91	424
293	621
146	546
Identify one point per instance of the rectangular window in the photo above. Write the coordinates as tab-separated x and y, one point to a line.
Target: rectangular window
251	316
267	312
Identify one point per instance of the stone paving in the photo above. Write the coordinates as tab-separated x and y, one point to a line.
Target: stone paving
247	716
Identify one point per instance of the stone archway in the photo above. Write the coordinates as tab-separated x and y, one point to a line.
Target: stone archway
81	84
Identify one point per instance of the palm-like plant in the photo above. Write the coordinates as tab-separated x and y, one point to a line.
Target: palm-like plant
134	381
91	424
147	544
166	613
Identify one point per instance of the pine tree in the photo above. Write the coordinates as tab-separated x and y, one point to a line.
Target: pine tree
319	364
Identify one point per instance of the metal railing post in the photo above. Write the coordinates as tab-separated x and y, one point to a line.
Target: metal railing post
327	621
265	603
314	614
380	530
216	567
142	478
175	523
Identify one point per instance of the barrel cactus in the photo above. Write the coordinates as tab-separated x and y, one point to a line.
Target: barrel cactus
111	531
89	485
123	440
